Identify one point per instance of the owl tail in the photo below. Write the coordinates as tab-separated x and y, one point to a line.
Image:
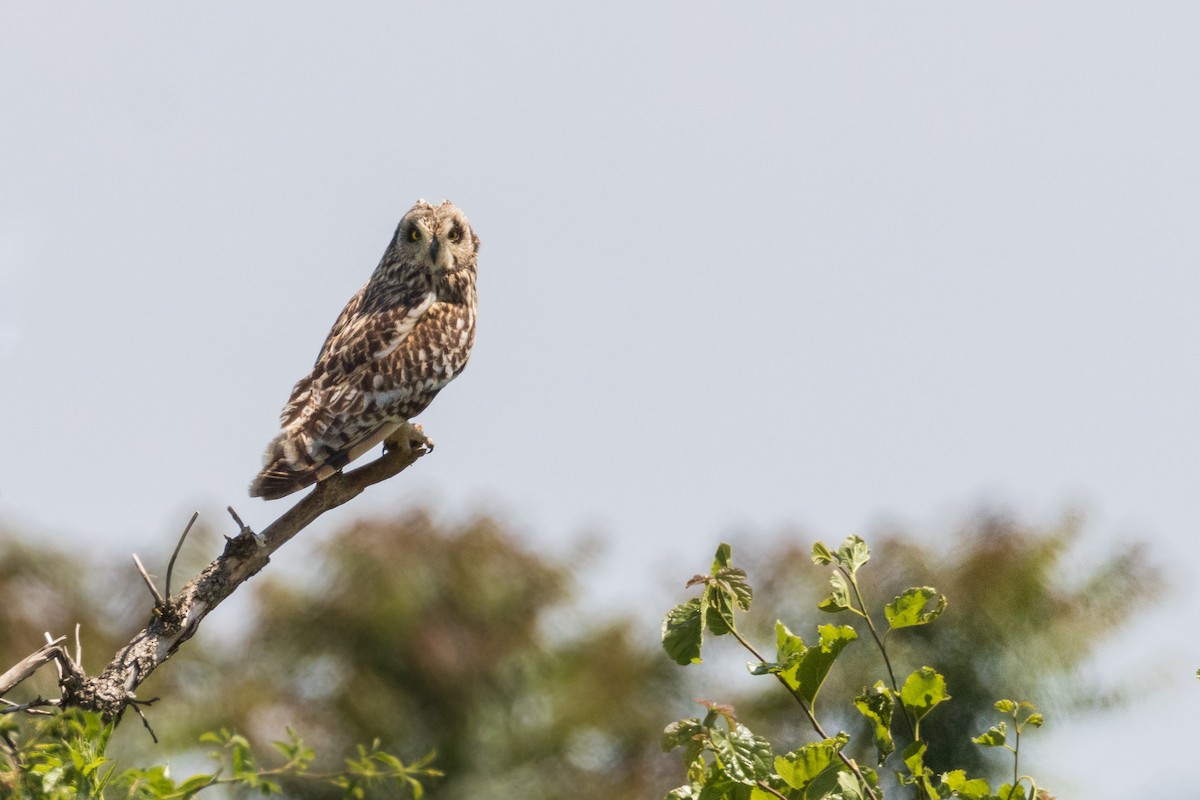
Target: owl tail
287	469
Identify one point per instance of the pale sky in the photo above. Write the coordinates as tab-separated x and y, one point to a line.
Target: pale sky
743	267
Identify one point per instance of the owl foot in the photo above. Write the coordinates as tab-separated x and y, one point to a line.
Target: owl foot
408	438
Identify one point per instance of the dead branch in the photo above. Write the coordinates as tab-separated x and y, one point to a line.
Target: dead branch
177	618
30	664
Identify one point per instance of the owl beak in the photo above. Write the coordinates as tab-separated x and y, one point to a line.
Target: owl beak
435	249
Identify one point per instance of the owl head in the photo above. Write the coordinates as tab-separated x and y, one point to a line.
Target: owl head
437	238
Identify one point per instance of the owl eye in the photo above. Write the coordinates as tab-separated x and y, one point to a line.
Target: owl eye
414	235
454	235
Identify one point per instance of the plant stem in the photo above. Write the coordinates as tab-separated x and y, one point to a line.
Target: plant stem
766	787
1016	751
887	662
808	713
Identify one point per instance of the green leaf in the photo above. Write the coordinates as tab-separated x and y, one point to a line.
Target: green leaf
1035	720
914	759
877	705
839	596
976	789
744	757
806	671
788	646
681	733
721	559
822	556
717	611
850	786
195	784
683	632
801	767
923	690
909	608
732	583
761	794
994	736
1006	706
853	553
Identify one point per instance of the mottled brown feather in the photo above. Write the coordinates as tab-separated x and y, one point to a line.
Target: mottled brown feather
405	335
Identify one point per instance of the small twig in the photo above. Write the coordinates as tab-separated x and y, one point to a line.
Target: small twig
178	546
57	652
146	722
30	664
159	600
766	787
242	527
78	646
32	706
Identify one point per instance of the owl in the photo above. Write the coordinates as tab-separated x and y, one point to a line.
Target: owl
405	335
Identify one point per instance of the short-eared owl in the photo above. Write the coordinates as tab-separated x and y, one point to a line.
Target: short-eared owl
405	335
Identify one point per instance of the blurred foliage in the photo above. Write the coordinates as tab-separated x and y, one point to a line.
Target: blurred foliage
724	759
1027	608
460	640
65	757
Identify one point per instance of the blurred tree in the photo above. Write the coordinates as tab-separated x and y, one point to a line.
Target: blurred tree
459	641
1026	610
44	588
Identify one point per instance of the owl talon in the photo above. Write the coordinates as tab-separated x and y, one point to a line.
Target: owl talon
417	438
410	438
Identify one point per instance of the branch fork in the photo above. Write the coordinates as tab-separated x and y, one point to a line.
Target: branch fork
177	617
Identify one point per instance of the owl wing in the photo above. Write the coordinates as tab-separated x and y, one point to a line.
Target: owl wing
346	401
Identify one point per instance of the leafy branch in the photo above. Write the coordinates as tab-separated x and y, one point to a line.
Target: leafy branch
741	766
65	759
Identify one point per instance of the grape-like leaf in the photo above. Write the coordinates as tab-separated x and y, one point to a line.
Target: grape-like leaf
914	759
683	632
681	732
853	553
721	558
877	705
909	608
804	668
994	736
732	582
718	611
974	789
923	690
839	595
744	757
801	767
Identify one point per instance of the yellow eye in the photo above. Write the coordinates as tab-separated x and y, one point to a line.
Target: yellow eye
454	235
414	235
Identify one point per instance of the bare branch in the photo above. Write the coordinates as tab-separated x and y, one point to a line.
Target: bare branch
31	707
158	598
30	664
177	619
137	707
242	527
178	547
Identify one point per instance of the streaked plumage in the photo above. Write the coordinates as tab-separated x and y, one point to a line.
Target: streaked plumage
405	335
